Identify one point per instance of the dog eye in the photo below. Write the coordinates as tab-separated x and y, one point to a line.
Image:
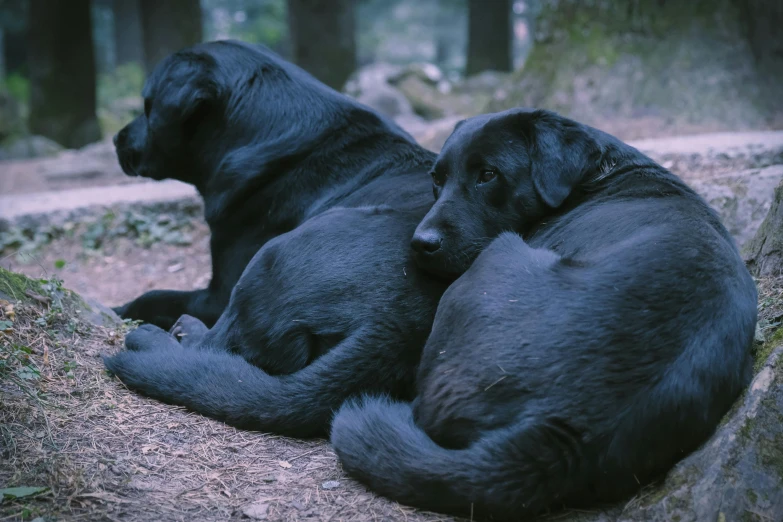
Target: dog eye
486	175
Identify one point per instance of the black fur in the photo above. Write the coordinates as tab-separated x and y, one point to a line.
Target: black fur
335	305
266	145
599	338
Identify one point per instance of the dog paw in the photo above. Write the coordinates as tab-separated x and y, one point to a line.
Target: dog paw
188	330
149	337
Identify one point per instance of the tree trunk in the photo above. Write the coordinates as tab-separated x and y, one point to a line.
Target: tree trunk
322	38
167	27
489	36
15	51
2	55
127	32
62	72
764	253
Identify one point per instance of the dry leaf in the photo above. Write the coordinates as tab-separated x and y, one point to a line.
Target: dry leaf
8	310
284	464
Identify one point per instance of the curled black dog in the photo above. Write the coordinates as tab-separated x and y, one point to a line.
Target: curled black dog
266	145
334	303
602	327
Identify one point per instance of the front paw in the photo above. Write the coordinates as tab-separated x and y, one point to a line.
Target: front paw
188	330
149	337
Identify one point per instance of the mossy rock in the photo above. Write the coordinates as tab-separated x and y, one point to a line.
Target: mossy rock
16	287
630	67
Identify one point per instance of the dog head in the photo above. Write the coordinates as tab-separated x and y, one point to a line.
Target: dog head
180	96
496	173
224	107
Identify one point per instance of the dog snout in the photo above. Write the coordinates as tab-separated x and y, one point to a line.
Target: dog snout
426	242
121	138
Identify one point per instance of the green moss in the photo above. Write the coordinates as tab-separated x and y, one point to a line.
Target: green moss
771	453
746	430
15	285
674	481
763	353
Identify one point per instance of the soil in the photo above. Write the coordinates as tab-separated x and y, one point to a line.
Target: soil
121	270
105	453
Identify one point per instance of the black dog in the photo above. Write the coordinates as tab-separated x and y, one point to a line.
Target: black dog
337	304
576	362
266	145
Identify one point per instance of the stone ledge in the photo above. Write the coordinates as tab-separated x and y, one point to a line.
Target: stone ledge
58	206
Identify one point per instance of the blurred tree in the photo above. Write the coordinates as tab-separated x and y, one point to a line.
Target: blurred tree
762	20
62	72
13	38
102	16
322	38
167	27
489	36
255	21
128	42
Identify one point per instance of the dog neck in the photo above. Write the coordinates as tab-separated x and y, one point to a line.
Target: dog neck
273	183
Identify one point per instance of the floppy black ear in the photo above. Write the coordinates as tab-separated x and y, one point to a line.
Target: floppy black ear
193	75
204	91
563	152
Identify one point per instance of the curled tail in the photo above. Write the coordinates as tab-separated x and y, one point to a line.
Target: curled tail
226	387
508	474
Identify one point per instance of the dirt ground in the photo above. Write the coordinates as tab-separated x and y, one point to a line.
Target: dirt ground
106	453
121	270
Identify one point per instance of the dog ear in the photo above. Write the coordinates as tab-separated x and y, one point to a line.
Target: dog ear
193	86
202	93
562	153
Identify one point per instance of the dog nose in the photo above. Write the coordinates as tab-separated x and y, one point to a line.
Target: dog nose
426	242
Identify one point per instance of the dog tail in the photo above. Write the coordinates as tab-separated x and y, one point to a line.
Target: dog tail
509	473
226	387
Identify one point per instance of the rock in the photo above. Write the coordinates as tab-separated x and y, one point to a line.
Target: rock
256	510
27	147
92	161
98	314
432	135
330	484
424	97
742	200
738	473
735	172
487	81
370	85
764	253
17	287
425	72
